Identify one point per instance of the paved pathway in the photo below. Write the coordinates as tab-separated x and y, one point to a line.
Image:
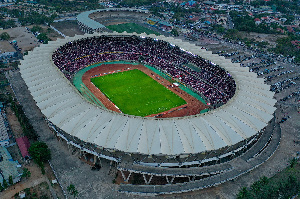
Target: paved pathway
11	191
35	179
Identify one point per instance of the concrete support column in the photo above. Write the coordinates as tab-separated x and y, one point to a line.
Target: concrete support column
124	177
95	159
147	181
170	181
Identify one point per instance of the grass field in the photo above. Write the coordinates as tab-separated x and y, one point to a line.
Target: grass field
130	28
135	93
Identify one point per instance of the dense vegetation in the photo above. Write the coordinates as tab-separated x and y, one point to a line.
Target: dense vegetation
25	124
40	153
283	185
244	22
133	3
25	17
7	24
69	6
283	6
285	47
36	18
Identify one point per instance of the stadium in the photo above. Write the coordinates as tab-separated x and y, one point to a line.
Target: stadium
190	150
97	20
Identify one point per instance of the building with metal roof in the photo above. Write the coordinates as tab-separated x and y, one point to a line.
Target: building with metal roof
23	144
83	123
8	167
4	127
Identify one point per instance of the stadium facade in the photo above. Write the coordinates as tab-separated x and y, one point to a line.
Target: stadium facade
176	147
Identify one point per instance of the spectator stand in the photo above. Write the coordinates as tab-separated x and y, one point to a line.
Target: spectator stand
210	138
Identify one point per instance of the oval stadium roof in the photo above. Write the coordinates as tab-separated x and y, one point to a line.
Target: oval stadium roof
243	116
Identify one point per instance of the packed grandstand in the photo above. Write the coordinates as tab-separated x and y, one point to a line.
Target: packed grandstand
222	133
209	80
160	147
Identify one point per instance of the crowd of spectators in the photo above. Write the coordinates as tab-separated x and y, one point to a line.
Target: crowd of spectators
209	80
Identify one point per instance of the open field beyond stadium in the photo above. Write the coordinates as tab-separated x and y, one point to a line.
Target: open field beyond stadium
130	28
135	93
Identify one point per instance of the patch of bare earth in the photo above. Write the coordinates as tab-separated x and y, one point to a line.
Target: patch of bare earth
14	123
260	37
69	28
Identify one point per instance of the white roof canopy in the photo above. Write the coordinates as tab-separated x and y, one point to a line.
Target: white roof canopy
242	117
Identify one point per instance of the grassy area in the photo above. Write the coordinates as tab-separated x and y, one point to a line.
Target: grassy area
136	93
130	28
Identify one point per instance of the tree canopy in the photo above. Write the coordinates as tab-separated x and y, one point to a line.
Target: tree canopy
284	184
43	37
7	24
5	36
36	29
244	22
174	32
40	152
72	190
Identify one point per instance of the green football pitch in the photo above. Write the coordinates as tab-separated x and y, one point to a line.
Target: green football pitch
135	93
130	28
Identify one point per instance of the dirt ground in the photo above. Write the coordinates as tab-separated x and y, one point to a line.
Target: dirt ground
14	123
49	31
192	107
259	37
115	23
37	183
69	28
26	40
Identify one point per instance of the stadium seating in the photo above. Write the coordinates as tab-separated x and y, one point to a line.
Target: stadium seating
207	79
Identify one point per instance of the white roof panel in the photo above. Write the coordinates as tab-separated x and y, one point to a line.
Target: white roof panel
242	117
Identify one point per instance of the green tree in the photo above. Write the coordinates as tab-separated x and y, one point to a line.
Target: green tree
7	24
2	65
72	190
24	121
232	34
43	37
293	162
40	152
36	29
174	32
243	193
219	29
10	180
5	36
1	187
26	173
5	185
